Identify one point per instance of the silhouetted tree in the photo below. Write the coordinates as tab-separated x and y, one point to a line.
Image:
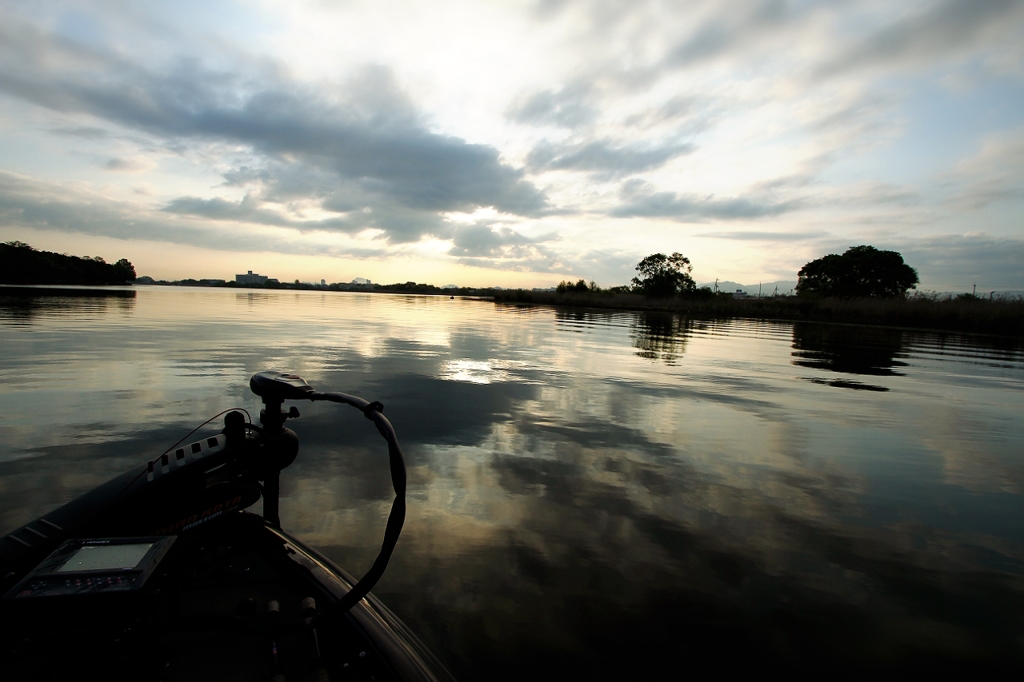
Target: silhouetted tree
861	272
580	287
21	264
662	275
125	268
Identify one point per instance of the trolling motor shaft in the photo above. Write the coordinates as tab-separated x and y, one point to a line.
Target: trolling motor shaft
279	445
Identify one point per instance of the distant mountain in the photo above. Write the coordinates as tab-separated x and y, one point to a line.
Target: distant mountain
766	288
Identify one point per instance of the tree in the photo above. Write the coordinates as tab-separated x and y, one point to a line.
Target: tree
581	287
126	269
662	276
21	264
861	272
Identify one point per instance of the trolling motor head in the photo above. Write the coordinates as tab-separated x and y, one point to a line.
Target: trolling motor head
278	386
274	388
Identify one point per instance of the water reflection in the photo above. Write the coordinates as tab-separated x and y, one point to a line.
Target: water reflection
660	336
22	305
575	507
848	349
580	319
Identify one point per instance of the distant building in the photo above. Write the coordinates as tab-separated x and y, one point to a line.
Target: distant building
323	282
740	294
361	281
450	286
251	278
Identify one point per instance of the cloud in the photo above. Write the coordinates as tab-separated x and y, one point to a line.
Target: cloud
502	248
364	134
676	108
126	165
956	262
484	240
568	108
602	158
26	202
248	210
992	175
87	132
640	202
764	236
717	37
939	30
521	259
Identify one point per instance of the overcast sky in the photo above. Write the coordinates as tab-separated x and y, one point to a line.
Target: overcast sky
516	143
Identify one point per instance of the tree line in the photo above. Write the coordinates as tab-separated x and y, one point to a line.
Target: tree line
22	264
860	272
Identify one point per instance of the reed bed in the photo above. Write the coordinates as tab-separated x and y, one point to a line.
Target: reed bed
1003	316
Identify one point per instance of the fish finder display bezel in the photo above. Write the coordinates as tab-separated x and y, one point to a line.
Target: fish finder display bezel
57	576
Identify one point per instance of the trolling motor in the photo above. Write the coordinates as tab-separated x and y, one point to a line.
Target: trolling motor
278	446
185	487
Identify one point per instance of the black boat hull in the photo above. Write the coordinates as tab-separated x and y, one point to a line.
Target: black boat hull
230	602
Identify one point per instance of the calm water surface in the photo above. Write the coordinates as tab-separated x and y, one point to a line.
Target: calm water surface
589	491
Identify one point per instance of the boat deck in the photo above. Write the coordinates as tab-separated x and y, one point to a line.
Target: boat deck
208	613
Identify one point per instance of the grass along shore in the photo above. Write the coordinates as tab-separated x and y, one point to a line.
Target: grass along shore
1003	317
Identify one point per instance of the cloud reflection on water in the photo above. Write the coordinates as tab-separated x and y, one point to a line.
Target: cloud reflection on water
590	493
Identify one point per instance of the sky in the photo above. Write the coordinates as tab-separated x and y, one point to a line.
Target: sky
516	143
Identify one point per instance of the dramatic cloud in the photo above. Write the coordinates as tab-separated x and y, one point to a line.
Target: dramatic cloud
484	240
502	248
248	210
25	202
453	136
366	134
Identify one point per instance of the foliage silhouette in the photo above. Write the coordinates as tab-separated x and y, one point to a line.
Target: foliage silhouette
861	272
662	276
22	264
579	287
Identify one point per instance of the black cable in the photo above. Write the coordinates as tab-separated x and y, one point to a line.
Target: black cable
157	458
230	409
396	519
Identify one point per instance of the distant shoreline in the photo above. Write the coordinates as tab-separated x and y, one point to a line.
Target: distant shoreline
998	317
406	288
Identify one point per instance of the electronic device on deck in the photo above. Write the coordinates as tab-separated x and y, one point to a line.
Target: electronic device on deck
94	566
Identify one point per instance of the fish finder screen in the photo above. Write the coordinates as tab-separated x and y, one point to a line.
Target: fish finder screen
106	557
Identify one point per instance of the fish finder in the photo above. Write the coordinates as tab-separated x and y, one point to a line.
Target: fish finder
94	566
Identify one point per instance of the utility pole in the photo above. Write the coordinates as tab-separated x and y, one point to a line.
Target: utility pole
716	285
975	289
759	290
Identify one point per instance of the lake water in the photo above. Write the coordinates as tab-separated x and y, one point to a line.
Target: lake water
590	492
